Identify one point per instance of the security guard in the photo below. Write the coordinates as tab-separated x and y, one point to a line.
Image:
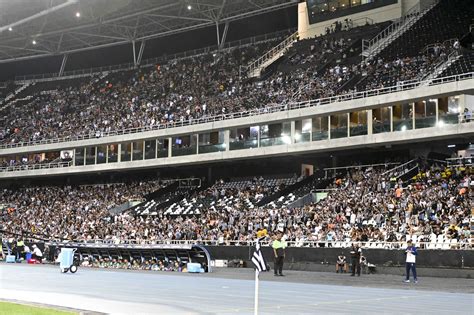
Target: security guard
279	246
20	248
356	252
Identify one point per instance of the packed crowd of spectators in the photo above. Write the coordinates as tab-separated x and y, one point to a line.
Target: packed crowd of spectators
363	205
68	212
209	85
366	206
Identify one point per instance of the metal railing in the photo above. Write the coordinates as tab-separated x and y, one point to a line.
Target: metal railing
371	47
153	61
441	65
446	43
398	167
446	245
14	93
255	66
28	167
460	161
272	108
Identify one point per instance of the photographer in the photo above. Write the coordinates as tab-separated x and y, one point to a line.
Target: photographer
411	253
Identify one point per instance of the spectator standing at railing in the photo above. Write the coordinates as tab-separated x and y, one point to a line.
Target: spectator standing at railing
411	253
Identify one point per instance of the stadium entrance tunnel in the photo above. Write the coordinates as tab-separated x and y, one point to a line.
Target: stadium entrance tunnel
168	254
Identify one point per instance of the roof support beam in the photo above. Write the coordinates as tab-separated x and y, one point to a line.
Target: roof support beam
63	65
114	31
38	15
25	49
134	54
140	52
218	34
224	35
179	17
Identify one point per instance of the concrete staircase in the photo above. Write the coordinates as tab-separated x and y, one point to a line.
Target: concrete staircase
15	93
440	67
370	48
255	68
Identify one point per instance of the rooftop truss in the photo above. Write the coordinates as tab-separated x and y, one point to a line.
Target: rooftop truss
36	28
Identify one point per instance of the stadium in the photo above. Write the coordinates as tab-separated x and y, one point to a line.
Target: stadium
236	156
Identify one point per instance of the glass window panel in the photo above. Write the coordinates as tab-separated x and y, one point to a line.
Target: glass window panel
425	113
112	153
358	123
243	138
162	148
447	113
101	154
275	134
381	120
137	150
402	117
90	155
150	149
211	142
184	145
320	128
126	152
79	156
303	130
338	126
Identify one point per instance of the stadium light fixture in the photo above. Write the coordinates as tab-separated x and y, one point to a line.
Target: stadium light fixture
10	29
440	123
33	42
189	7
451	145
404	128
78	14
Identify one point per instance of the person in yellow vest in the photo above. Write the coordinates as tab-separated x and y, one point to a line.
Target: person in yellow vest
20	248
279	246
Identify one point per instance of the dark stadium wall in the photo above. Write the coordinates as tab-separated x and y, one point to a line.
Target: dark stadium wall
379	257
8	71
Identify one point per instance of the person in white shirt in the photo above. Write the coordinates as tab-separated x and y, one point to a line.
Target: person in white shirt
411	253
37	254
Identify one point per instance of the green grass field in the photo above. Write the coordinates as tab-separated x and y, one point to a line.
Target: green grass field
19	309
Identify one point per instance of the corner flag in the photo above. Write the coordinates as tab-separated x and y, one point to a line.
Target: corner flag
258	260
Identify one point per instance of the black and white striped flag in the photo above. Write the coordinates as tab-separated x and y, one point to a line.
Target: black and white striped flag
258	260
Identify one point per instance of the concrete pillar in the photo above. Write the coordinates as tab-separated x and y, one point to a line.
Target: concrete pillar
391	118
197	143
209	175
292	132
170	146
258	136
227	139
119	148
348	117
329	127
369	122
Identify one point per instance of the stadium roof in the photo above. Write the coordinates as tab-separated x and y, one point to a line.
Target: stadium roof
35	28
